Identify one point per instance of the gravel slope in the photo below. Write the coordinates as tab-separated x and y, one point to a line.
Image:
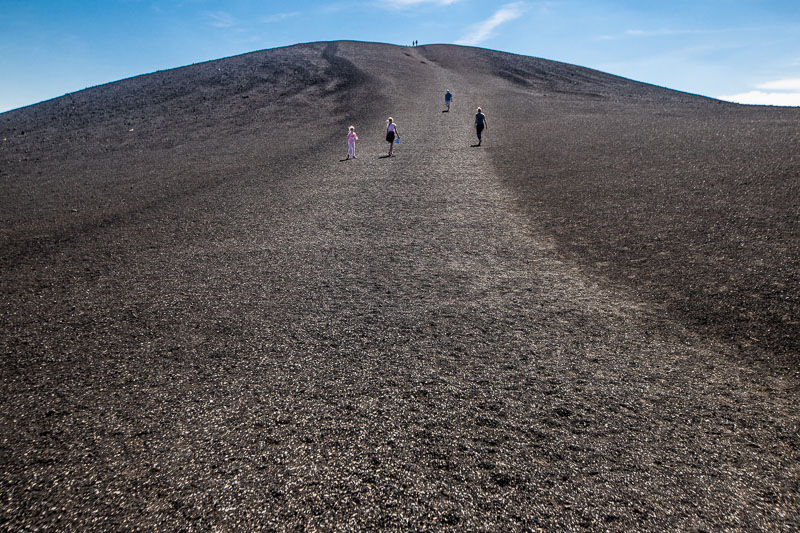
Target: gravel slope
213	322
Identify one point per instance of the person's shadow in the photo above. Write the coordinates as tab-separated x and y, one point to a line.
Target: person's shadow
445	110
474	145
385	156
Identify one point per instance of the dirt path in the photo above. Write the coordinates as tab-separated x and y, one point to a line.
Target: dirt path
371	344
472	372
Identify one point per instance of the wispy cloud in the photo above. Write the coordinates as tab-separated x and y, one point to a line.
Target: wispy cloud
278	17
661	32
764	98
789	84
400	4
483	30
785	92
220	19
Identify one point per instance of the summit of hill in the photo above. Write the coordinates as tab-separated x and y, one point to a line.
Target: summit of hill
689	201
212	319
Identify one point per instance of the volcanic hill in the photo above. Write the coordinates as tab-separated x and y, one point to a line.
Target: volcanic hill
211	320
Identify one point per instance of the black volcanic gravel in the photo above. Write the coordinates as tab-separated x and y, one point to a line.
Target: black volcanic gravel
211	322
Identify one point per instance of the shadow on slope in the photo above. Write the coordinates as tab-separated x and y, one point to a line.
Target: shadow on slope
94	157
686	202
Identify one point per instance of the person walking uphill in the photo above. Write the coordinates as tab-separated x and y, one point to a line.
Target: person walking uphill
480	124
391	133
351	142
448	97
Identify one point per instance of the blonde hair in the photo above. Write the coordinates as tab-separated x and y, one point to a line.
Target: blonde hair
390	120
479	110
352	128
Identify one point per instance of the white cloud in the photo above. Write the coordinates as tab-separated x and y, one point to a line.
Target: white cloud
658	33
784	92
220	19
483	30
662	32
278	17
790	84
400	4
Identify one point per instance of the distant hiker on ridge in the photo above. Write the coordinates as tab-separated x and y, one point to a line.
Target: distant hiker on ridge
447	98
391	132
480	123
351	142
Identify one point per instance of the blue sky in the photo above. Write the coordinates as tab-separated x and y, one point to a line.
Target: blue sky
742	50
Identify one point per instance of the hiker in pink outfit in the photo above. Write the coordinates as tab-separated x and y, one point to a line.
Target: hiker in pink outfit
351	142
